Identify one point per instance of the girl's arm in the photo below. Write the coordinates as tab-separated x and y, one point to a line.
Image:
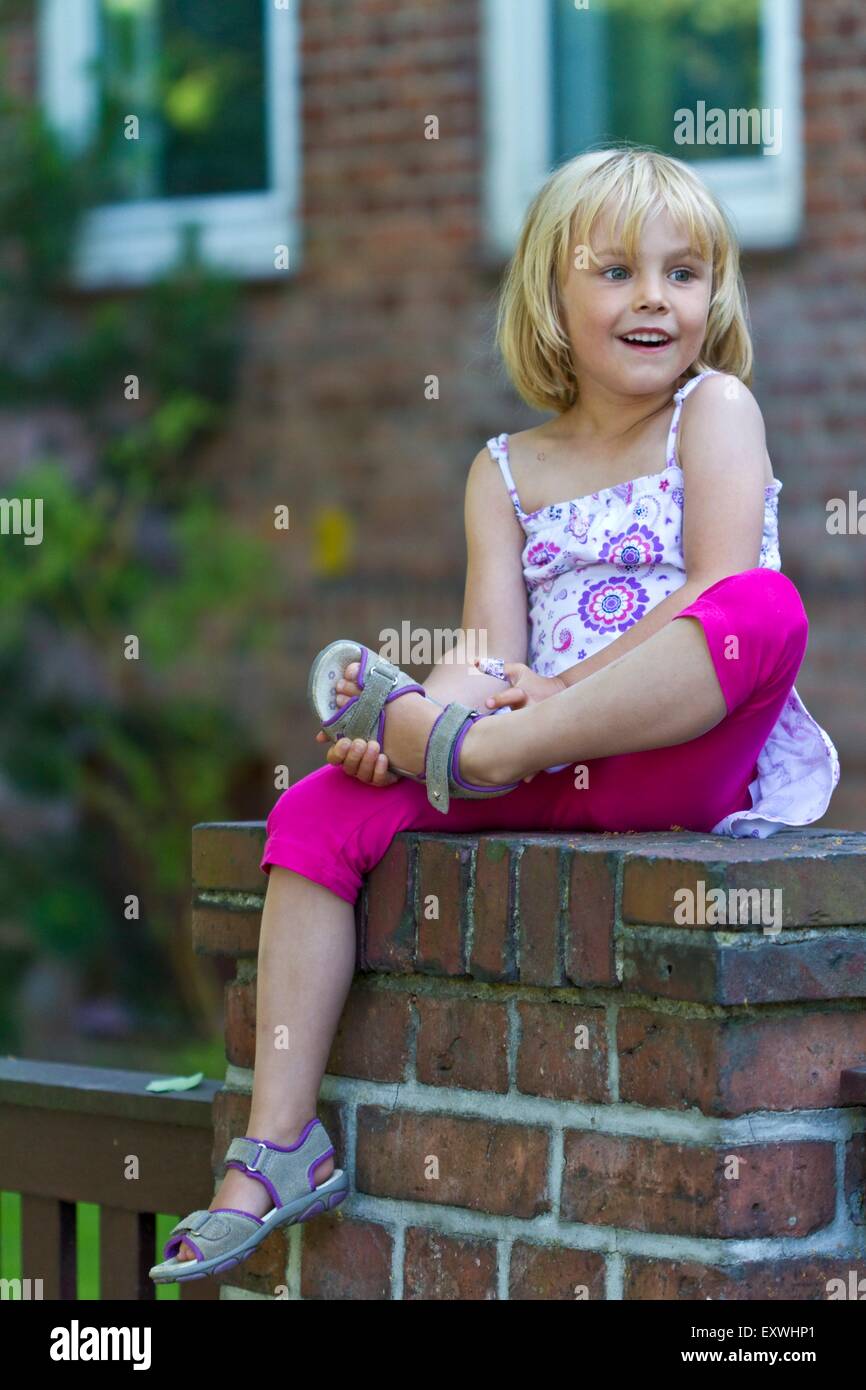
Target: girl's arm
495	611
724	459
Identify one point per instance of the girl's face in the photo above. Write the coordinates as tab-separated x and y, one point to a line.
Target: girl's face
666	288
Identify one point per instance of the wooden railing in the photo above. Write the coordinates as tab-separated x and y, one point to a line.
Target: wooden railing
92	1134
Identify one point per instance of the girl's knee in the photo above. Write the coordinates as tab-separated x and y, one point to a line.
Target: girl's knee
304	800
766	613
778	604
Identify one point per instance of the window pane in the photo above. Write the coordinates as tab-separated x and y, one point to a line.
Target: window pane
192	71
622	68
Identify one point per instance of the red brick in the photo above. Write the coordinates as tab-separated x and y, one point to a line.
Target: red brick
493	942
225	931
796	863
443	876
549	1063
832	966
342	1260
372	1037
227	856
539	912
462	1041
485	1165
855	1178
729	1066
389	928
555	1273
438	1266
813	1278
589	952
648	1185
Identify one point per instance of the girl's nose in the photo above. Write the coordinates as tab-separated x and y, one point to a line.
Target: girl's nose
649	293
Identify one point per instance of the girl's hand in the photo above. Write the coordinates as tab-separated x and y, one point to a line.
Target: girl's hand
526	688
359	759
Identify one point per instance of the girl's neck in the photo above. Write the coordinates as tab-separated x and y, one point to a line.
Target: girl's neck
600	417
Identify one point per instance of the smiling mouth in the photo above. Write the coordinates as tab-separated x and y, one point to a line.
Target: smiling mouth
652	342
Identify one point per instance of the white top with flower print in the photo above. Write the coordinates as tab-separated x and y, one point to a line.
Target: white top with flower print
595	565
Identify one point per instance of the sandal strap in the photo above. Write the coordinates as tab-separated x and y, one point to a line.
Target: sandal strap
362	718
216	1232
440	744
189	1223
285	1172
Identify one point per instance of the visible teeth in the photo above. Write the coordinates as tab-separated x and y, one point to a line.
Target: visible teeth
644	338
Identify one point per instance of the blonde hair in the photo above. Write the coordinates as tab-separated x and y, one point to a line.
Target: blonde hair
639	181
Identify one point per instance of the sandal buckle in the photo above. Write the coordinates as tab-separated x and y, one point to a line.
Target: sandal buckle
378	670
253	1167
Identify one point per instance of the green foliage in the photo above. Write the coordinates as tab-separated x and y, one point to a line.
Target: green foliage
135	746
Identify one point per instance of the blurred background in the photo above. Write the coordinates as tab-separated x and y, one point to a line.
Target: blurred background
249	263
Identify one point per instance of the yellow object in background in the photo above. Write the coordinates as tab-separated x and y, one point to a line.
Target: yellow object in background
333	539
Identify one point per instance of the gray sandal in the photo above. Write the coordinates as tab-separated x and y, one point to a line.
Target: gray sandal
363	716
225	1235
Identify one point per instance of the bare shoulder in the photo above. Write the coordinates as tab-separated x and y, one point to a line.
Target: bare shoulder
719	414
486	491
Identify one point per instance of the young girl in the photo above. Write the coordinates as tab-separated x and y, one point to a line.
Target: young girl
589	537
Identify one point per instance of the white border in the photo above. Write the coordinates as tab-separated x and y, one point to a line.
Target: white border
762	195
130	243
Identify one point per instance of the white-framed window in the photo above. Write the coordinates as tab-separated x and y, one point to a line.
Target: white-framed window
214	90
562	75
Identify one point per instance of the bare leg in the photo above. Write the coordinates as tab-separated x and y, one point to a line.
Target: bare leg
305	968
659	694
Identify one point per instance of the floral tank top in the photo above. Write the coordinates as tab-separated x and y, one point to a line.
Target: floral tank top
595	565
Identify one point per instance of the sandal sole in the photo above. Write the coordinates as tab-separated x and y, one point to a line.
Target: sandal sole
335	1190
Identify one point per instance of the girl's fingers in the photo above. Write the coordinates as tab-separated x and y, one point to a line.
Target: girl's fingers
514	697
382	777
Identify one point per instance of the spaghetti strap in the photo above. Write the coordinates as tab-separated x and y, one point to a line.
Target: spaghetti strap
679	397
498	447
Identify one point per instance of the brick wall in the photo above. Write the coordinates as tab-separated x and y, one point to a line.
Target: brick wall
394	286
551	1090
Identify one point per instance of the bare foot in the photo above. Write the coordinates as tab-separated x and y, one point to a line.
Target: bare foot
239	1190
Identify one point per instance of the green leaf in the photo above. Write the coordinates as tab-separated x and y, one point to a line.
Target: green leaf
176	1083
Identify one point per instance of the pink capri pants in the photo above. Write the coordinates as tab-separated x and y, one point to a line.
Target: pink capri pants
331	828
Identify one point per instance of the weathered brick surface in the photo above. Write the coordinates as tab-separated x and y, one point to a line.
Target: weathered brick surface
539	914
493	955
346	1259
855	1178
227	856
481	1164
711	971
438	1266
443	866
649	1185
563	1052
389	926
792	861
815	1279
589	949
555	1273
225	931
729	1066
462	1041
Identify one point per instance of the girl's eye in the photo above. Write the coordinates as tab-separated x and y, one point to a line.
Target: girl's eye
681	270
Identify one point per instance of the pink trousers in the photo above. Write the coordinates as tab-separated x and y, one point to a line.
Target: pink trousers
331	828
